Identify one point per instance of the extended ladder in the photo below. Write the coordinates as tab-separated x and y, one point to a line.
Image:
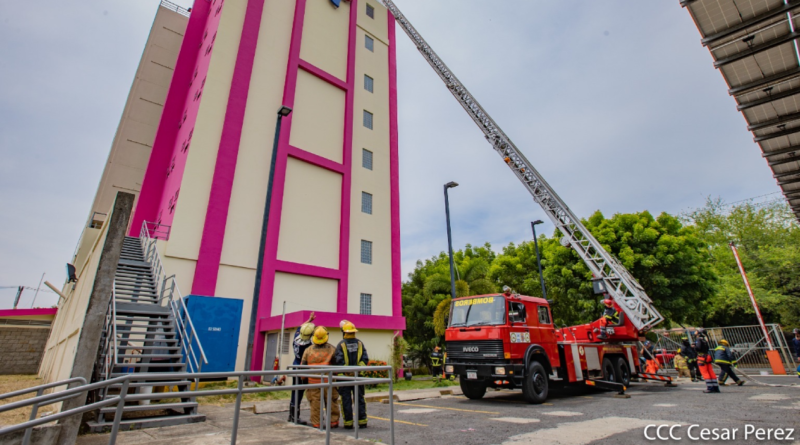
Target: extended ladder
623	288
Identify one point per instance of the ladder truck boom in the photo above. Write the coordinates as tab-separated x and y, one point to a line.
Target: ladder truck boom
619	284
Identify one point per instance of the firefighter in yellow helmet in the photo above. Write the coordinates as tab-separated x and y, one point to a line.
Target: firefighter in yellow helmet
321	354
351	352
724	358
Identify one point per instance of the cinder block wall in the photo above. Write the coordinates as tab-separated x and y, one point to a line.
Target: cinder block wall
22	349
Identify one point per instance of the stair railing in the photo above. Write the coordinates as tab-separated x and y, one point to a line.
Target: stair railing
111	343
170	294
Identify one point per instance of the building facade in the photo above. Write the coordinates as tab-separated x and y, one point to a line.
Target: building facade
333	236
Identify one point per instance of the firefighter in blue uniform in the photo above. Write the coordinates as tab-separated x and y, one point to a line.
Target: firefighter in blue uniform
724	358
687	350
610	317
351	352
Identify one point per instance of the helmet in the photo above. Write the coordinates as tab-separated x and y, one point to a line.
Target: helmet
320	336
647	343
506	290
306	331
349	328
724	342
608	302
436	348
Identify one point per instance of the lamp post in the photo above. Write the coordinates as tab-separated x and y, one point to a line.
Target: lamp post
538	258
282	112
450	185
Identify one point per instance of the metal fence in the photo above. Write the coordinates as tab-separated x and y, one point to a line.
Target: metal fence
746	342
330	378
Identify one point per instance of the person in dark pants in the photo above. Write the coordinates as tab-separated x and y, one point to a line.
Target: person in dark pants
723	357
351	352
704	362
302	340
436	363
796	344
687	350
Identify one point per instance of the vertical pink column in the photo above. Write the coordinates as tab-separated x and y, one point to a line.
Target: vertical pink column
394	171
207	269
273	229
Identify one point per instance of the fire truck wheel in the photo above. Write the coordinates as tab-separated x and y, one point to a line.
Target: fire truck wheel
623	371
535	385
472	389
609	372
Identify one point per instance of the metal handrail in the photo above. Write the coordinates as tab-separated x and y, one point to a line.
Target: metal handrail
173	7
327	374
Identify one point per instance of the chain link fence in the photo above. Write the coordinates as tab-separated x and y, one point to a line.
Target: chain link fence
746	342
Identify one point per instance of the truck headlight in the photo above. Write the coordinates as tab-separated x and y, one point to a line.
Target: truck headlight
500	370
448	368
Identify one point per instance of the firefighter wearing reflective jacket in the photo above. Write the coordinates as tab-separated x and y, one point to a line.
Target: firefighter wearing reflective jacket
723	357
610	317
687	350
436	363
351	352
705	361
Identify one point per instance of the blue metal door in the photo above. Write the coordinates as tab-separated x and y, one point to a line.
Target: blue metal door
217	321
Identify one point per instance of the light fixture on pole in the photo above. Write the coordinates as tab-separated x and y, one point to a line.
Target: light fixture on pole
538	258
450	185
282	112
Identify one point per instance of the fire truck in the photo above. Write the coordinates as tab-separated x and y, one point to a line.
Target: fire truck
510	340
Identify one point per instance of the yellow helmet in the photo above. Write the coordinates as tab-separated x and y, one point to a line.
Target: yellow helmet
724	342
306	331
320	336
349	328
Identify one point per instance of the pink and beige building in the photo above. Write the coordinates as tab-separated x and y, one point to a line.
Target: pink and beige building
333	239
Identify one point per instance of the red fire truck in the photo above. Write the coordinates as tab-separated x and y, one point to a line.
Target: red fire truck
510	341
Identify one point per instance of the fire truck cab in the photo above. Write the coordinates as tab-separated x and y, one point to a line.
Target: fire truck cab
510	341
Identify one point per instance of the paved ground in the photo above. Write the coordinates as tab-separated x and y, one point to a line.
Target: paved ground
589	417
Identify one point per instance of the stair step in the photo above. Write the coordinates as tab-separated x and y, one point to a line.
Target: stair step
152	365
134	285
145	329
149	348
147	422
151	407
149	356
148	319
177	382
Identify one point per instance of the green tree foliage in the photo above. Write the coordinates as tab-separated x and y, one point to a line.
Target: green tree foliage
768	240
668	260
428	288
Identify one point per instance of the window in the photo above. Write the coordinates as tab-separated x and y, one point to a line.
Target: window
544	315
366	159
370	11
287	342
369	43
368	119
368	83
516	312
366	203
366	304
366	251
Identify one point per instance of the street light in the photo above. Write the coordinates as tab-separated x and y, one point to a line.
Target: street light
538	258
282	112
450	185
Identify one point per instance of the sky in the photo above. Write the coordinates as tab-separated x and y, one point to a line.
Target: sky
615	102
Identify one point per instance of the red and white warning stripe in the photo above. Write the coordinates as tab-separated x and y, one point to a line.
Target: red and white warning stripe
662	378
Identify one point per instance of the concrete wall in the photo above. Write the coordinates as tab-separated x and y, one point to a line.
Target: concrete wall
22	349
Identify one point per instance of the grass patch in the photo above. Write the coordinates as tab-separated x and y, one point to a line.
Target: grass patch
231	398
423	382
10	383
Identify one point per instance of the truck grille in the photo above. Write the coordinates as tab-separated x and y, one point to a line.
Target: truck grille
481	349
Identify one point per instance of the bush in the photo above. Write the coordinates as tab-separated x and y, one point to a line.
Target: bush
376	374
420	371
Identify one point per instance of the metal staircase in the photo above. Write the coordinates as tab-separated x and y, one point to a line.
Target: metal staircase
147	331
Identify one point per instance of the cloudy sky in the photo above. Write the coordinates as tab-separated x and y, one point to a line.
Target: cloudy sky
615	102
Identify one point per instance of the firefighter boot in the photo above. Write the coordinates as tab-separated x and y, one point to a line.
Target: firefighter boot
291	419
602	335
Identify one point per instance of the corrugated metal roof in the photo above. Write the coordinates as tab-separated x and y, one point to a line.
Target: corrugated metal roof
754	45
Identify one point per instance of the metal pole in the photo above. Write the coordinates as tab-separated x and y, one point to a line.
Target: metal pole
391	412
357	415
257	286
37	291
538	258
752	297
329	409
280	340
450	239
19	295
34	411
118	415
237	409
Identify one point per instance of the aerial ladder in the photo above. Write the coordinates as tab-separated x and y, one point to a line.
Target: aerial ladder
616	281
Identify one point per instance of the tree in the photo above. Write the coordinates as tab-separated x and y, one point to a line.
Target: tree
667	258
768	240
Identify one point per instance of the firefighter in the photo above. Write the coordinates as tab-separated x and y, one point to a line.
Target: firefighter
796	344
687	350
723	357
704	362
351	352
436	363
610	317
648	353
302	340
681	366
321	354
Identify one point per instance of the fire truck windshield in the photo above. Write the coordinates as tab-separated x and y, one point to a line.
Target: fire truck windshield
478	311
